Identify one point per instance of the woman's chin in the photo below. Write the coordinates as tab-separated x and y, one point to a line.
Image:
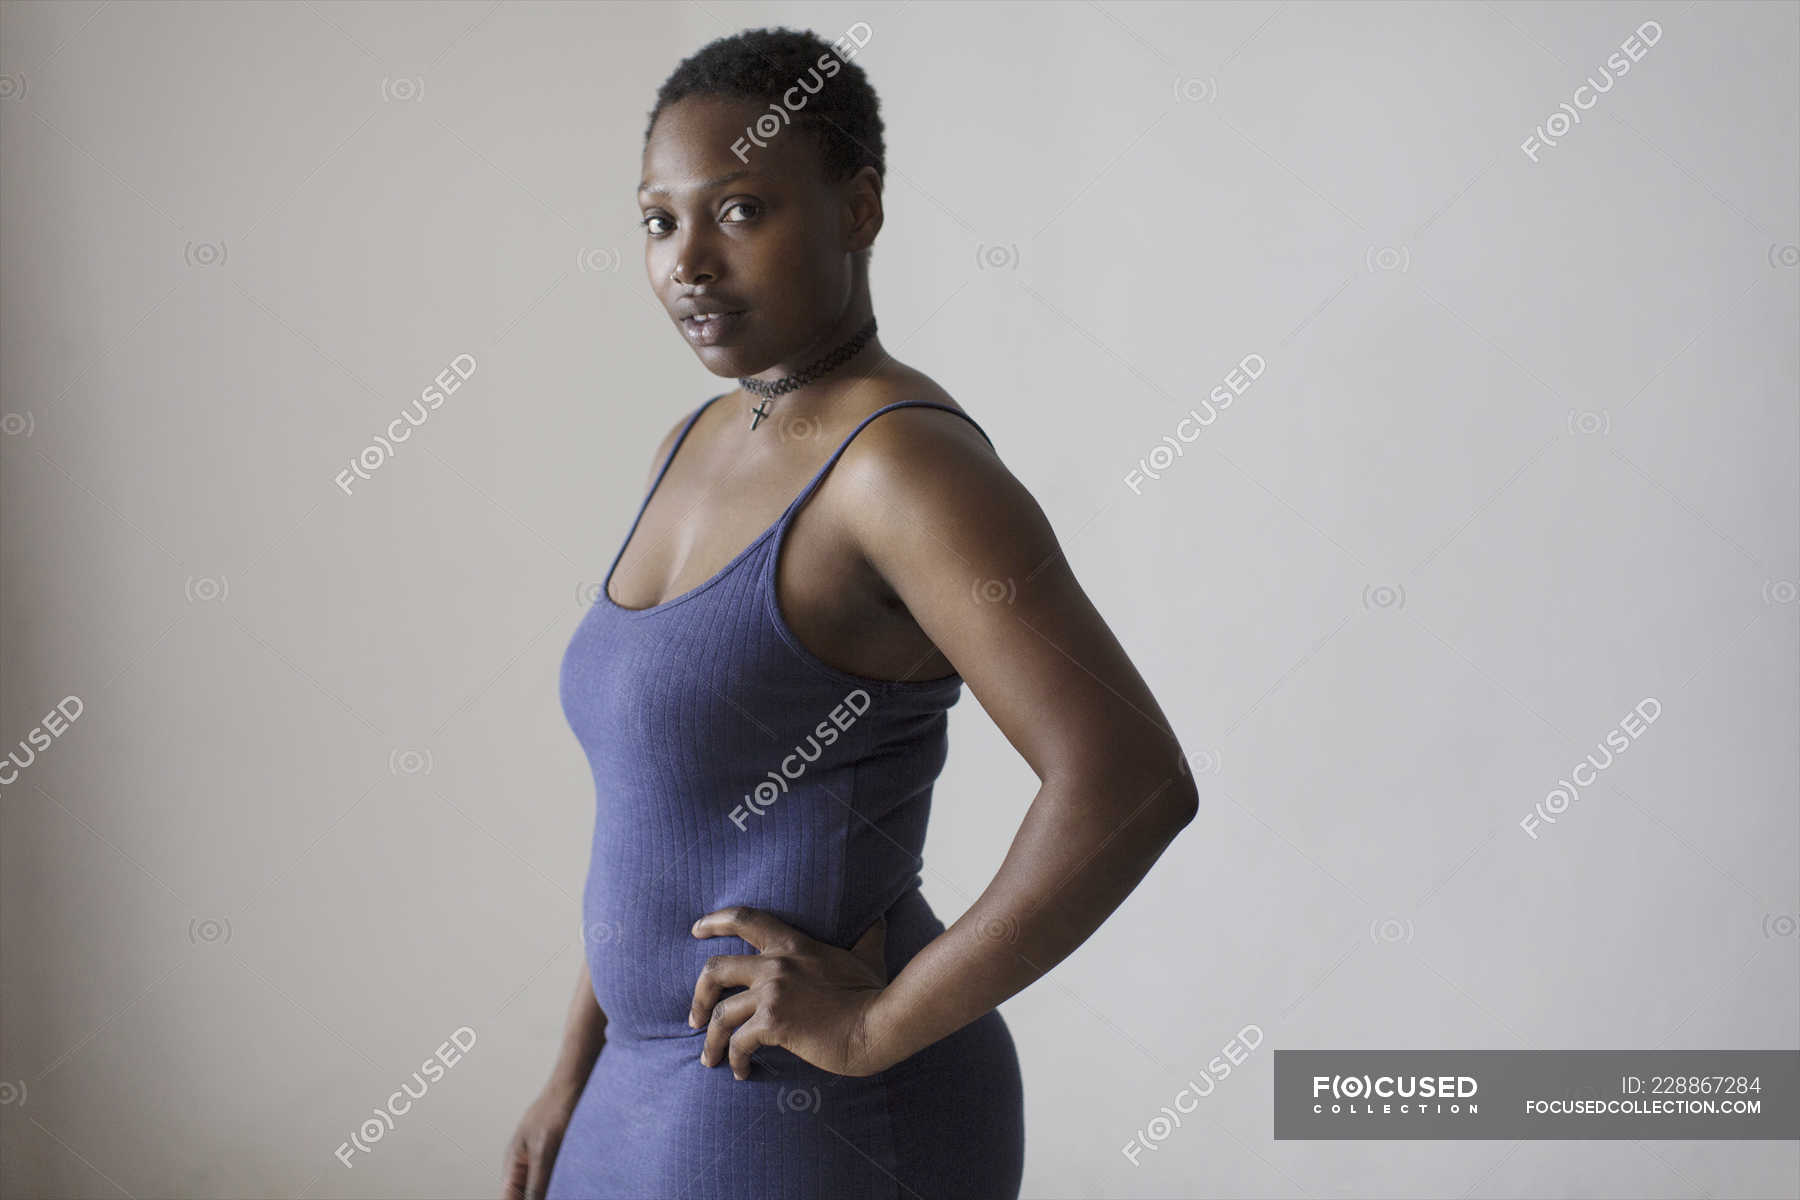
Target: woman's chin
729	362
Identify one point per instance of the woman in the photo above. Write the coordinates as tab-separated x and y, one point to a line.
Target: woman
761	693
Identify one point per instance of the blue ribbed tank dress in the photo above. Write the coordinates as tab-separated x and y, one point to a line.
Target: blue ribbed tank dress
733	766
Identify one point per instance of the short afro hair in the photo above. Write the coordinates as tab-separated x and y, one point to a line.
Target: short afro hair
841	112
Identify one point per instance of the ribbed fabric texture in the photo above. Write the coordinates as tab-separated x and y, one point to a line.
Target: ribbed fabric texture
733	766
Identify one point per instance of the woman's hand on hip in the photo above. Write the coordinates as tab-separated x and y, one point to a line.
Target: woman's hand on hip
804	995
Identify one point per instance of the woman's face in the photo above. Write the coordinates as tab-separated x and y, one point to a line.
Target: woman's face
763	236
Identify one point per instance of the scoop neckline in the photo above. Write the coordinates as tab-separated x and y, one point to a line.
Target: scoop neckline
770	601
671	602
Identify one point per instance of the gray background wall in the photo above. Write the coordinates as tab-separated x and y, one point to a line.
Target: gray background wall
1524	454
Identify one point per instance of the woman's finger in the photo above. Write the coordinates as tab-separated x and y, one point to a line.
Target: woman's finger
514	1174
722	971
751	1036
726	1017
760	929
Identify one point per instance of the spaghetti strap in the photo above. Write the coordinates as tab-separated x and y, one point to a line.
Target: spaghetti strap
819	475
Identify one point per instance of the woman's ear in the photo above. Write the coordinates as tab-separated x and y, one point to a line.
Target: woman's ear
866	212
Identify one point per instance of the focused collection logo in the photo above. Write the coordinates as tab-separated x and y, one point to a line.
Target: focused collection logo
1403	1094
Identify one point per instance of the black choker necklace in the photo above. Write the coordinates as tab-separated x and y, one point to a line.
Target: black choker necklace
787	383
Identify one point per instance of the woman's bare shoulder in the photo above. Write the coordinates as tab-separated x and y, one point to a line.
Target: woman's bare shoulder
919	458
912	431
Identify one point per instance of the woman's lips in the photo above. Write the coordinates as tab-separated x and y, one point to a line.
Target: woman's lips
712	329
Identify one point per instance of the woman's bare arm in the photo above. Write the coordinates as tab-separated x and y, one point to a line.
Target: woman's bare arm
584	1033
970	553
967	550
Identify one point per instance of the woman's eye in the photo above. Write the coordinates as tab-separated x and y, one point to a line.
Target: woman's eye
649	223
750	205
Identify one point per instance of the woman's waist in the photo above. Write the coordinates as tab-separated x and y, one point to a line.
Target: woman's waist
776	796
644	961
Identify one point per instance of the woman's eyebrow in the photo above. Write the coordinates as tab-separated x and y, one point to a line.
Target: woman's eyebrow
647	188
